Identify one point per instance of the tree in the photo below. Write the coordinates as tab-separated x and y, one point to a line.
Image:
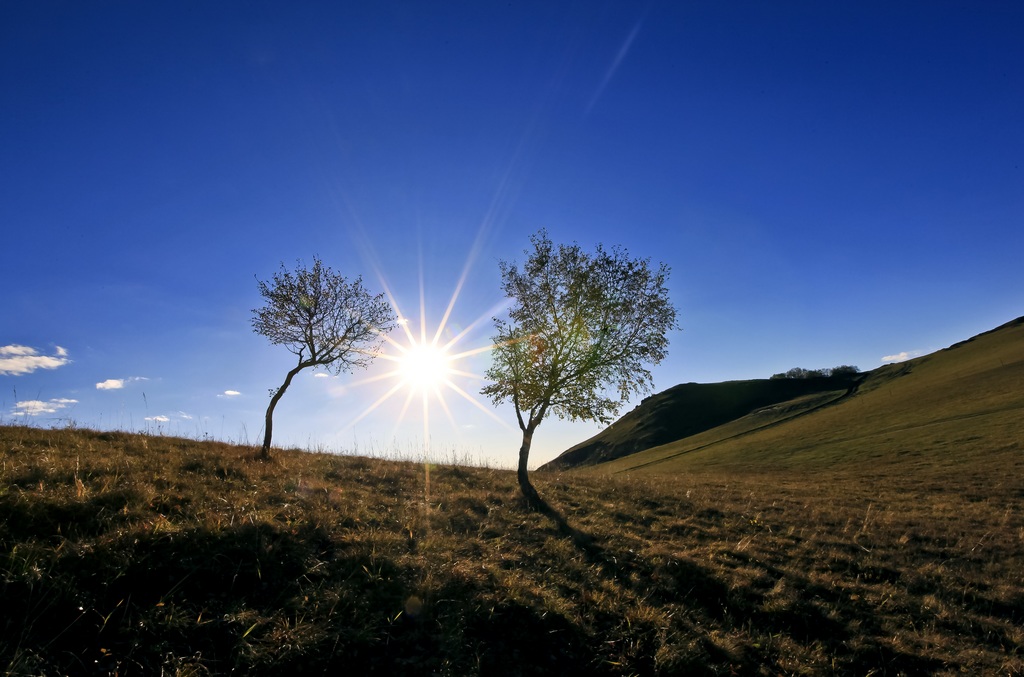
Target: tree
845	370
322	318
579	331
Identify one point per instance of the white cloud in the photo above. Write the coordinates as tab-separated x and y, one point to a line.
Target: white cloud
17	350
184	416
16	360
118	383
37	407
901	357
158	419
320	374
231	393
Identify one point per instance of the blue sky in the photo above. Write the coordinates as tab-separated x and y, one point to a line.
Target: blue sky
831	183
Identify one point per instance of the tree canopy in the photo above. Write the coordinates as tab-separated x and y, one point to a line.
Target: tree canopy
580	331
801	373
324	319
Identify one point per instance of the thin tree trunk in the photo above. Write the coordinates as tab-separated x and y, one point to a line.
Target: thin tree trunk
529	493
269	424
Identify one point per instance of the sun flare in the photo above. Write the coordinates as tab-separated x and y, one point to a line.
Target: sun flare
427	363
425	366
425	369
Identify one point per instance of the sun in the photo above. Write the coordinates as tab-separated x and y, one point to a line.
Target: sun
424	366
427	362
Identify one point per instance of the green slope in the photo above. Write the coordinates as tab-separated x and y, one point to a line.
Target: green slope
964	404
691	408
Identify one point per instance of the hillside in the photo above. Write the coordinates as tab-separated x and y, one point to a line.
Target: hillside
126	554
961	404
692	408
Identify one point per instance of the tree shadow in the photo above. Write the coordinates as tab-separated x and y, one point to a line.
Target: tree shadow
582	540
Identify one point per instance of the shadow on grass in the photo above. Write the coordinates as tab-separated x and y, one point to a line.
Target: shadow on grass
56	520
684	581
231	596
804	619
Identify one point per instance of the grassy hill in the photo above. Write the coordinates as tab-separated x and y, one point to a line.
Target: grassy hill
957	408
692	408
123	554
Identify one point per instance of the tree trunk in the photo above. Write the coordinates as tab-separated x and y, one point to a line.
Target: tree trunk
529	493
269	424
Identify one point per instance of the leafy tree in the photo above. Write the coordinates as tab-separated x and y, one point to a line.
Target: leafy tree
580	328
322	318
801	373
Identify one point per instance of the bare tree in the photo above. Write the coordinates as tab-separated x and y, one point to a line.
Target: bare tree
580	329
322	318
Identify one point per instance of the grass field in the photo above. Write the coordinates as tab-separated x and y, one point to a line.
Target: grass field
134	555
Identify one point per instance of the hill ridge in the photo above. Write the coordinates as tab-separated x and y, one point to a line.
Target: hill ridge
696	408
981	376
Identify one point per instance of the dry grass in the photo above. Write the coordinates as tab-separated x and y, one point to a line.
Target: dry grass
126	554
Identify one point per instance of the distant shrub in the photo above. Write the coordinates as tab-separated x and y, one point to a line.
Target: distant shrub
799	372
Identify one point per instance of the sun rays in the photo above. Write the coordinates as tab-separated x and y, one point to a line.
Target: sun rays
425	367
428	364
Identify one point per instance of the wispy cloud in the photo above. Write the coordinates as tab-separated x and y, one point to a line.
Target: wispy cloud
118	383
37	407
902	357
230	393
320	374
16	360
610	73
158	419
